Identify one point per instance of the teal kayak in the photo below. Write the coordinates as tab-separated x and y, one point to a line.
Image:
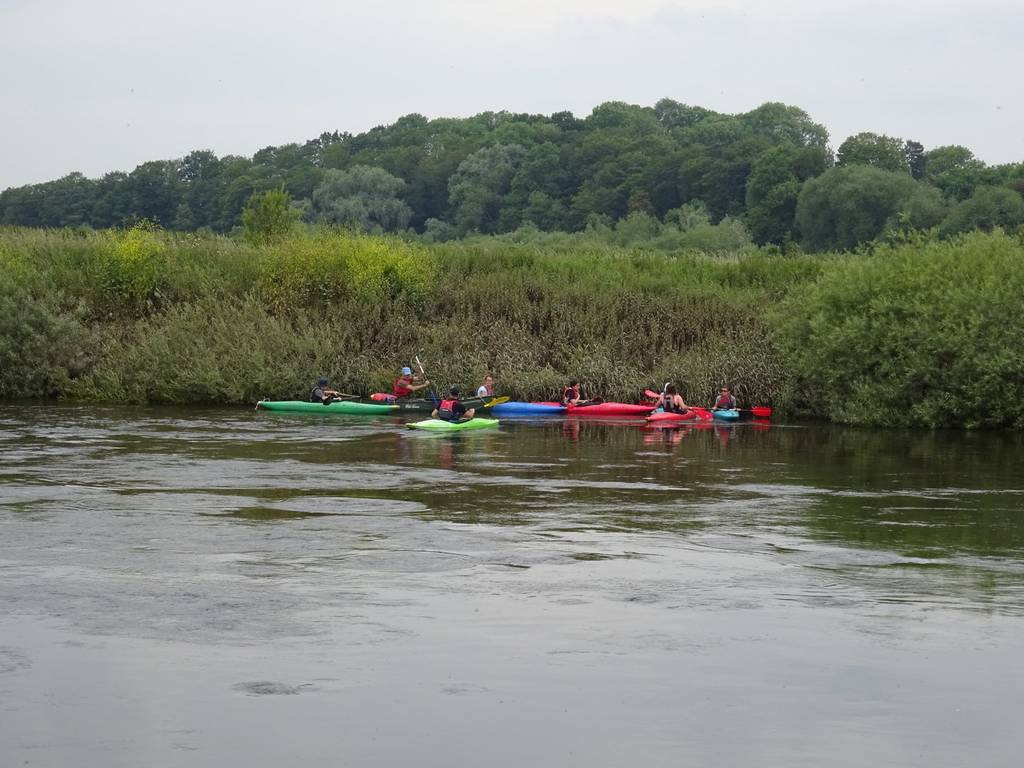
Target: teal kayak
730	414
338	406
440	425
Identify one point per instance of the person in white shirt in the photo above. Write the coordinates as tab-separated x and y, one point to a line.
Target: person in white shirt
487	388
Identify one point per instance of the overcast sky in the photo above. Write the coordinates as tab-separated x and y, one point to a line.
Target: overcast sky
101	85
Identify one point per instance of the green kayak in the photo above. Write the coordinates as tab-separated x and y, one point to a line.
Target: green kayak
338	406
440	425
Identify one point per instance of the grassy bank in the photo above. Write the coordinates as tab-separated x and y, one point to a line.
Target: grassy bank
146	316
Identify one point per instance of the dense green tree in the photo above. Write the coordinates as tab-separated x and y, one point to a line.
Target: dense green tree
954	170
785	124
773	186
364	197
672	114
112	205
916	160
496	171
479	184
199	174
873	149
155	191
268	216
847	206
986	209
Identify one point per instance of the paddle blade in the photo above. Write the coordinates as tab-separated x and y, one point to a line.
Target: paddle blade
761	411
496	401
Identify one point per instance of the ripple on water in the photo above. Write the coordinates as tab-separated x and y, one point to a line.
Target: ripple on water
268	688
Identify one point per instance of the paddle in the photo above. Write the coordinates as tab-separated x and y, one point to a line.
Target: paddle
761	411
591	401
433	394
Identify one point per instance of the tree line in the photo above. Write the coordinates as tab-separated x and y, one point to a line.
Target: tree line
768	176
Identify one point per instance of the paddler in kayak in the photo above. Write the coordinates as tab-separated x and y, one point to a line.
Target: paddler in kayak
487	388
571	394
671	401
725	401
406	384
321	394
451	409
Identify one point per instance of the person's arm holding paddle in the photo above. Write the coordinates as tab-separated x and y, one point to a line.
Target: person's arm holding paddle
322	394
571	394
406	384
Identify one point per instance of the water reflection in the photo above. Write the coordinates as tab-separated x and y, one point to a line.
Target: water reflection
314	556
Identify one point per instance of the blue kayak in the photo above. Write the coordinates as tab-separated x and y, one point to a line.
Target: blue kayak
515	408
730	414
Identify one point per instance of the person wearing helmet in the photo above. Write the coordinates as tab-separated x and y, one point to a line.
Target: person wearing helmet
321	394
406	384
451	409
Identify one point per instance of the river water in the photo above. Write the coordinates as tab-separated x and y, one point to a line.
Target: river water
224	587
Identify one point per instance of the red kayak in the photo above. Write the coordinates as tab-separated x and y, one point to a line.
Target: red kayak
690	415
607	409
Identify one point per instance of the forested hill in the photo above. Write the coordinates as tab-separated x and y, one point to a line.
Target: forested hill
769	173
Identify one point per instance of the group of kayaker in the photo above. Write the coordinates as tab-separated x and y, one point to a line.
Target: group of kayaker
452	409
671	401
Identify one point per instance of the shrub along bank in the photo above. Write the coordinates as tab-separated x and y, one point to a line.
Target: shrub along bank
907	334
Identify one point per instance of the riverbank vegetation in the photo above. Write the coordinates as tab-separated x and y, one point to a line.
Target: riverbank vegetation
919	331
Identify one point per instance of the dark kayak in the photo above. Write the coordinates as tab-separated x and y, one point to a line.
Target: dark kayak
428	404
338	406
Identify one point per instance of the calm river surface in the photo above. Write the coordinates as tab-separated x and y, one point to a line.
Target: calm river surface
224	587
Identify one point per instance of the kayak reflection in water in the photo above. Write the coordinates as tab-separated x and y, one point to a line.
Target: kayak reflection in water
406	384
670	401
451	409
571	394
321	394
487	388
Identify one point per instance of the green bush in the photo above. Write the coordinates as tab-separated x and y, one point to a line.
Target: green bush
926	334
43	345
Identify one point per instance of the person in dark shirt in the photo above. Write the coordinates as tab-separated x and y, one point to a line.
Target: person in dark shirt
322	394
451	409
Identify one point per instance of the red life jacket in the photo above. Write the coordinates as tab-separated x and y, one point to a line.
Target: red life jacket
570	393
448	405
401	387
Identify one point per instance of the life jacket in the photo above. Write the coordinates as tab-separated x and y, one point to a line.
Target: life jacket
570	393
401	386
488	391
447	409
669	403
726	402
316	395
